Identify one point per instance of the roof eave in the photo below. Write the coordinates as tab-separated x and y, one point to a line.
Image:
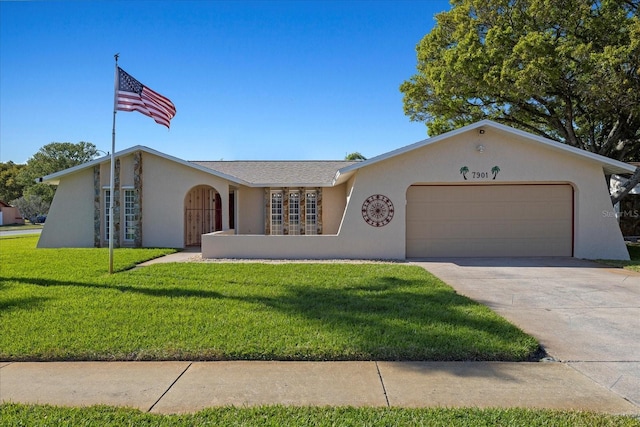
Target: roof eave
54	178
290	185
610	166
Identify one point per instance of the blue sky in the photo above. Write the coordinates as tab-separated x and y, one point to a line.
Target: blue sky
250	80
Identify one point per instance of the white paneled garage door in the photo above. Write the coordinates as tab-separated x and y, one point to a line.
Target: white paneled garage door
489	220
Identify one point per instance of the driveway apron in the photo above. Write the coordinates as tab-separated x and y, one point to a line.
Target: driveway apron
584	314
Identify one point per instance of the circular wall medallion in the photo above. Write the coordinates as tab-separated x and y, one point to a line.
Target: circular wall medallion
377	210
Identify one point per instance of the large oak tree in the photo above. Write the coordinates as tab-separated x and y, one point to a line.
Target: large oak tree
568	70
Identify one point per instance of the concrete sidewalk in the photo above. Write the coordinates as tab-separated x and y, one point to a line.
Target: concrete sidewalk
179	387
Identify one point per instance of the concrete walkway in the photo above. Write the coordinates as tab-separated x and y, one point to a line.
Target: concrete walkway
178	387
187	255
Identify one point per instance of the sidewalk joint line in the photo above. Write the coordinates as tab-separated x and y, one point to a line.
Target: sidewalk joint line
170	387
384	389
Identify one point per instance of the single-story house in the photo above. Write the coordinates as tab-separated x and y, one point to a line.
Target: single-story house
10	214
482	190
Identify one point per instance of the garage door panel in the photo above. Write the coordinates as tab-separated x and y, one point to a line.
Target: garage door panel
499	220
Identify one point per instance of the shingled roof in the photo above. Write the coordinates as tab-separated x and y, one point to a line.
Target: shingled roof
280	173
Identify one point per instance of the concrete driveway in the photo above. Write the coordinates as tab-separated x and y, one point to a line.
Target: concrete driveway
584	314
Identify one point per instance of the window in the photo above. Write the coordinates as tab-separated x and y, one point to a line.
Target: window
294	212
276	212
130	222
311	213
107	221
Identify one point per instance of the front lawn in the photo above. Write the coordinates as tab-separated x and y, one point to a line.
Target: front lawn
60	304
35	415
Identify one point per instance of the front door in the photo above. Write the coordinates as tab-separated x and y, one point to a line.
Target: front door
200	213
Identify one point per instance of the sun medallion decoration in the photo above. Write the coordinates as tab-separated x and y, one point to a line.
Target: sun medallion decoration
377	210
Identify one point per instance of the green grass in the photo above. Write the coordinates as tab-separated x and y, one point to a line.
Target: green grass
633	264
19	415
62	305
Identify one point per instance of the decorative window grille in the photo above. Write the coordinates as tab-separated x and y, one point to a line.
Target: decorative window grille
130	222
276	212
311	213
294	212
107	218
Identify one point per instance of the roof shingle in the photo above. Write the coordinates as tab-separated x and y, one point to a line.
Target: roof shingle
280	173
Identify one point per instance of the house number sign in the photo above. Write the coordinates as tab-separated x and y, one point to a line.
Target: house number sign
377	210
468	174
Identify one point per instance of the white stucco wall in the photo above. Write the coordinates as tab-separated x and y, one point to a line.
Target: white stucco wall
70	219
596	234
165	185
334	200
346	234
250	208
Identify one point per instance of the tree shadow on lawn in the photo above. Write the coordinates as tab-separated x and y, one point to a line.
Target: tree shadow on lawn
153	292
382	320
30	303
385	322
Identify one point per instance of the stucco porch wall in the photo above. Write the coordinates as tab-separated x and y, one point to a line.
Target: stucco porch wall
325	246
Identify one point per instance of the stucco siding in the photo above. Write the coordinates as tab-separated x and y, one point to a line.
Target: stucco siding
250	207
502	159
166	184
334	201
597	233
468	157
220	245
70	219
596	236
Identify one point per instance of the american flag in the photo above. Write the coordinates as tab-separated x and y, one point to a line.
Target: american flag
134	96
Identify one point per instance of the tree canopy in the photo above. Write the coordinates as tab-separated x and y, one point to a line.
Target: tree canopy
52	158
355	156
568	70
10	185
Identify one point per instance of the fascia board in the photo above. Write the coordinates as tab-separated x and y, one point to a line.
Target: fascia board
289	184
610	166
54	178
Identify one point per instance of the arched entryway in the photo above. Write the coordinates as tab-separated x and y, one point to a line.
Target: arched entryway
202	214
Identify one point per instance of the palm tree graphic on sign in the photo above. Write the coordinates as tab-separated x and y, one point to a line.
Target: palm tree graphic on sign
494	171
464	171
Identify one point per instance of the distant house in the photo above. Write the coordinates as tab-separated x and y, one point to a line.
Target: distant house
628	209
482	190
10	215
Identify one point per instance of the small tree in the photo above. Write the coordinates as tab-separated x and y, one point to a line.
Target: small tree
31	206
355	156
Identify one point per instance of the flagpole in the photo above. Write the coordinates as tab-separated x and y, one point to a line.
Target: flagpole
113	167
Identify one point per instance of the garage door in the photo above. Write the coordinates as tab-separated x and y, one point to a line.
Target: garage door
489	220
